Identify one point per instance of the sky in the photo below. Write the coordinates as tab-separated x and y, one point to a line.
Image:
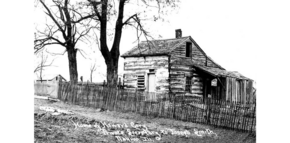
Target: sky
227	31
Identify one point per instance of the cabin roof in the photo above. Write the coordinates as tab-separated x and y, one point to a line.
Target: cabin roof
161	47
216	72
53	76
62	77
155	47
219	72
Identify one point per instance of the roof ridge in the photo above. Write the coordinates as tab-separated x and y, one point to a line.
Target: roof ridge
178	44
167	39
205	53
153	42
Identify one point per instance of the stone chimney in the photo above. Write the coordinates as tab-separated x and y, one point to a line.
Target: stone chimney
178	33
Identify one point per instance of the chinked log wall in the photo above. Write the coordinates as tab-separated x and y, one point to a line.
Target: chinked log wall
197	55
136	66
178	74
178	71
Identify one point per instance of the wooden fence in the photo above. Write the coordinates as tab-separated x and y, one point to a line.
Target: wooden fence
234	115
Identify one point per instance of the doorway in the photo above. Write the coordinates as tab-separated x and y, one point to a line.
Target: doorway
151	82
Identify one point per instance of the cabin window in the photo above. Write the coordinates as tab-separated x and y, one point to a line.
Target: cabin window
188	84
141	82
188	49
151	70
214	82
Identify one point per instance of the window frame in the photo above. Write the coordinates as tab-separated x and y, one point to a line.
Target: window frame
141	82
188	84
188	49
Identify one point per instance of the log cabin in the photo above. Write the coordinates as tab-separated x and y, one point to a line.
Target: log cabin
180	67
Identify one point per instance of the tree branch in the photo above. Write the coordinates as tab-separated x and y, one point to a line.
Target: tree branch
54	54
95	4
52	17
83	34
43	64
131	17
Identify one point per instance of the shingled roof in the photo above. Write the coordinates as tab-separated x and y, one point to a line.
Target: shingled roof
220	73
155	47
161	47
216	72
166	46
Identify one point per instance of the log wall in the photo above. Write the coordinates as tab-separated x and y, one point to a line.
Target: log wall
178	74
197	55
139	66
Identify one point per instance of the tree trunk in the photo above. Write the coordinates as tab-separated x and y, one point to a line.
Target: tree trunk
112	75
72	59
111	57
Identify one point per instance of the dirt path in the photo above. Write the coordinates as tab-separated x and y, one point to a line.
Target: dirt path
93	125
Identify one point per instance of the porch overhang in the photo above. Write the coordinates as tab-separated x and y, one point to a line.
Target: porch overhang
213	71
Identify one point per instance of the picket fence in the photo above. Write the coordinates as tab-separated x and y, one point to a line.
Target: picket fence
233	115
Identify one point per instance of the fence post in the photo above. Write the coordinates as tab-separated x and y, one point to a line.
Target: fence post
119	85
208	110
215	112
135	100
59	90
174	106
253	116
256	110
115	101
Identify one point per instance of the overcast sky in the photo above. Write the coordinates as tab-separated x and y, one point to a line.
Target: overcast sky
230	32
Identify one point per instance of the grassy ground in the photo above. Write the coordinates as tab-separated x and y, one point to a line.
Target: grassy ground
60	128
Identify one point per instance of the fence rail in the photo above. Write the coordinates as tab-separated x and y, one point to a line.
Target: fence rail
234	115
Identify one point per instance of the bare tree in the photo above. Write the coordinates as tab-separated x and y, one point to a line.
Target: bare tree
39	44
66	29
105	10
43	64
92	69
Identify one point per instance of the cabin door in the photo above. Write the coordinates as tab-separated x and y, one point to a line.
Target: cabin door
151	82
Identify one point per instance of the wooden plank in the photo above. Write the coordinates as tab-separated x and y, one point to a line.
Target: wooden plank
153	61
176	84
197	78
238	91
175	72
244	90
197	91
163	81
233	115
198	84
251	90
176	88
227	88
176	76
147	58
177	80
230	89
243	117
138	68
182	67
145	65
243	93
194	87
229	116
130	81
